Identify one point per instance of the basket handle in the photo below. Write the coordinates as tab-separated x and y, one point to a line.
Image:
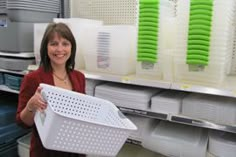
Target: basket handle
43	114
43	93
121	115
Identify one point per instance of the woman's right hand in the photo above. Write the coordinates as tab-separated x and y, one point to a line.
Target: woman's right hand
36	102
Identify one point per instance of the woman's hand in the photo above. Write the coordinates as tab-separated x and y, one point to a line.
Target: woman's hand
36	102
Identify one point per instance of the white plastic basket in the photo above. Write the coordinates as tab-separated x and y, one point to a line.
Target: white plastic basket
79	123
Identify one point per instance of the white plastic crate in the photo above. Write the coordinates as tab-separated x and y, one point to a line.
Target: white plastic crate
23	146
79	123
110	49
222	144
177	140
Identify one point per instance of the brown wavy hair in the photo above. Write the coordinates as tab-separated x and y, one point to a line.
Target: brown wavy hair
64	31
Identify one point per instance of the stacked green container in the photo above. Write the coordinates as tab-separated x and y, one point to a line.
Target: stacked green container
148	30
199	33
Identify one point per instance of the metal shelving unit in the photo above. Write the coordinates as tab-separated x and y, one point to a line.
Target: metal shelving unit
159	84
131	79
23	55
180	119
7	89
4	87
203	89
14	72
18	55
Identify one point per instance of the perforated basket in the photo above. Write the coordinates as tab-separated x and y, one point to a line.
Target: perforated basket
79	123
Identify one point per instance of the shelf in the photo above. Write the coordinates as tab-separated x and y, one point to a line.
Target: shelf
225	90
19	55
128	79
202	123
143	113
203	89
14	72
7	89
131	79
179	119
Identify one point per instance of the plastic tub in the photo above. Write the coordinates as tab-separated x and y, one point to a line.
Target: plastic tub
210	107
16	37
15	64
31	15
169	102
213	74
13	81
79	123
222	144
110	49
177	140
24	145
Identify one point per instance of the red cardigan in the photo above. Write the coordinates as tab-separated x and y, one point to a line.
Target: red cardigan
28	87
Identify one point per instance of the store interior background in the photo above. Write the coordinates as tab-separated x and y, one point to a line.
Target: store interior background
180	109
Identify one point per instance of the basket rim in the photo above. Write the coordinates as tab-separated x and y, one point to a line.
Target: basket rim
130	125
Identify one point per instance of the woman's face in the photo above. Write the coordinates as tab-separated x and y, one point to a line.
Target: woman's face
59	50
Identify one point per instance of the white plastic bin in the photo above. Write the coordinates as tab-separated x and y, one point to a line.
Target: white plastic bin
111	49
222	144
169	102
176	140
143	124
79	123
210	107
24	145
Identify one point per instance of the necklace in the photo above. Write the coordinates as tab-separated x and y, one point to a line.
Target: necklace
61	79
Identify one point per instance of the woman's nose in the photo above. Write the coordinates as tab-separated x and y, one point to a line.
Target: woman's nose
59	47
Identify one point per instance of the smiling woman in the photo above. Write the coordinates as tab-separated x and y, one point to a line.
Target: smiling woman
57	53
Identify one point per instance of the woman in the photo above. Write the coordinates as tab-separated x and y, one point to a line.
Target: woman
57	53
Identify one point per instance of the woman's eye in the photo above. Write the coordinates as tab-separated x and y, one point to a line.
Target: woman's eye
65	43
53	43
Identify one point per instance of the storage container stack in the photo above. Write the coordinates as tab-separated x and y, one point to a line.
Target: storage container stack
222	143
205	32
17	34
211	108
2	7
110	49
168	102
20	17
9	131
155	35
178	140
128	96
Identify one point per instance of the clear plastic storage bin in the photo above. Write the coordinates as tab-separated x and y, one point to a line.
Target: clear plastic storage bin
222	144
176	140
24	145
110	49
79	123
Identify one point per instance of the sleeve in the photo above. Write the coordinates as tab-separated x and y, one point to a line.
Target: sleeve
83	83
28	86
78	80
